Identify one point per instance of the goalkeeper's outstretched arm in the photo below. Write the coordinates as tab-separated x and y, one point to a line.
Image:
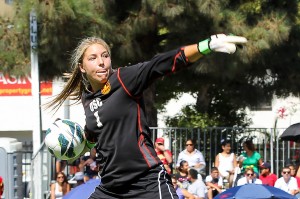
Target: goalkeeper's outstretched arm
216	43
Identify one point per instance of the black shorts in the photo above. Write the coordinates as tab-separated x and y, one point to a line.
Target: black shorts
156	184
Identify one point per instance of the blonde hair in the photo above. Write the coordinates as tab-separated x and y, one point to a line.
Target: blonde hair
249	168
77	82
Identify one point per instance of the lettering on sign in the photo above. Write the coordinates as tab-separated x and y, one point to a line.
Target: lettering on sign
21	86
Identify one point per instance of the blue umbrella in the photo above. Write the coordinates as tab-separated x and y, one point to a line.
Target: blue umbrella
83	191
254	191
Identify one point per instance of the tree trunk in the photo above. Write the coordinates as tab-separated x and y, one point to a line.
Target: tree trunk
203	100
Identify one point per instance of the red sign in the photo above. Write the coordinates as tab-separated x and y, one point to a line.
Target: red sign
21	86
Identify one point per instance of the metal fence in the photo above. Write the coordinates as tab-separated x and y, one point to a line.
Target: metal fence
208	141
26	166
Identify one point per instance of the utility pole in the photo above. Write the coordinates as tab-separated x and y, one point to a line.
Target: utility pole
36	164
35	84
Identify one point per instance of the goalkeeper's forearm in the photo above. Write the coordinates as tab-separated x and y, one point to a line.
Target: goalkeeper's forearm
192	53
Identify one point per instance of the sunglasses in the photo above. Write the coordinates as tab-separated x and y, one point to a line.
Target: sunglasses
286	172
160	143
189	145
60	177
250	174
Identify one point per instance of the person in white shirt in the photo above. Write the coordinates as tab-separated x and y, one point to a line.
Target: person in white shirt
194	157
197	187
226	162
287	183
249	177
214	183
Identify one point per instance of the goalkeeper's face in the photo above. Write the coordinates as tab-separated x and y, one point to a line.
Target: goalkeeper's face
96	65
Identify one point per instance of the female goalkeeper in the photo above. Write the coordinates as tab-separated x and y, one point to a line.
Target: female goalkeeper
115	113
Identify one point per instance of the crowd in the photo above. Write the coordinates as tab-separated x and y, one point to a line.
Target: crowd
80	171
229	170
189	177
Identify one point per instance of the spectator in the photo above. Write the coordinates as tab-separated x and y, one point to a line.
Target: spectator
79	177
88	165
197	187
177	188
60	165
60	188
164	155
182	193
194	157
226	162
182	175
287	183
293	173
266	176
250	157
1	186
249	177
214	183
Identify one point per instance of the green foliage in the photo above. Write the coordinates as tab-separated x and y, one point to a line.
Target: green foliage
13	56
189	117
137	30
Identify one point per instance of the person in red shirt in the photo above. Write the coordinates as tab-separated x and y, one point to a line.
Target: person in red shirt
164	155
1	186
266	176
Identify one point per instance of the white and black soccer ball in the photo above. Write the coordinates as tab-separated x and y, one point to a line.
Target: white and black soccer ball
65	139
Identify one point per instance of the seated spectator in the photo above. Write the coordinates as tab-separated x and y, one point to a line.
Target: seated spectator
60	188
164	155
293	173
226	162
79	177
287	183
249	177
60	165
266	176
177	188
194	157
88	165
182	174
214	183
197	187
182	193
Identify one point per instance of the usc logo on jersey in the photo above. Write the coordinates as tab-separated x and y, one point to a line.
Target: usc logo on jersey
106	89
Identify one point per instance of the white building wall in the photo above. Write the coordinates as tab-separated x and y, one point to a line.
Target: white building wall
266	119
16	114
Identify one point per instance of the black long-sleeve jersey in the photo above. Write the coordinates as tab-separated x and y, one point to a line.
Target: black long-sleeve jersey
115	117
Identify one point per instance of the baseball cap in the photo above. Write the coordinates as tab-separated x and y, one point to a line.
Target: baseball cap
266	165
160	140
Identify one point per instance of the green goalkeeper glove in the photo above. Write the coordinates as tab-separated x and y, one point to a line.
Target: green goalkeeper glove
220	43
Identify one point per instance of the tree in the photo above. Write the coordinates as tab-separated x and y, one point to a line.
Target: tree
137	30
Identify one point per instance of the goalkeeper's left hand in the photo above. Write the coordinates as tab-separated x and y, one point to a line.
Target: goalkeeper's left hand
221	43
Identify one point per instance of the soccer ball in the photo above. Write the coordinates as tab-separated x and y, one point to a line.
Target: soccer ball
65	139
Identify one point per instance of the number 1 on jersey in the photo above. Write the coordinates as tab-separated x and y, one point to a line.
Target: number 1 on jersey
99	124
